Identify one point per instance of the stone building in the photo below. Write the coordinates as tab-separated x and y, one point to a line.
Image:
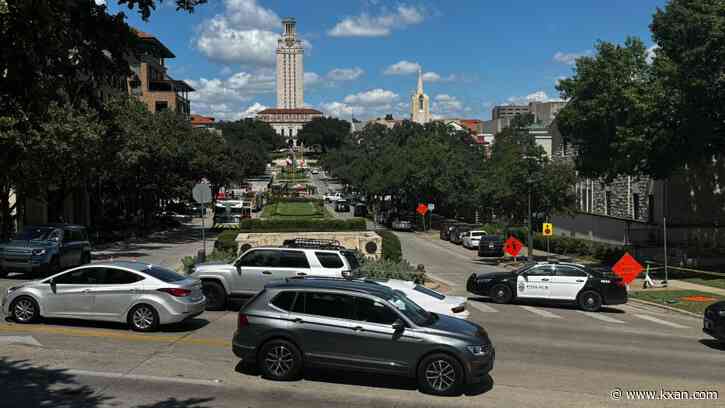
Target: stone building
420	103
151	83
290	115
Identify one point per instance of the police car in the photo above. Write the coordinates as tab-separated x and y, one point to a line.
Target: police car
551	281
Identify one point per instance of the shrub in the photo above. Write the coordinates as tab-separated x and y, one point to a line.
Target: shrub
391	246
226	241
302	225
387	269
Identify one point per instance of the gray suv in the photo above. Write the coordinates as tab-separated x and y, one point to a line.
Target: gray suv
364	326
45	249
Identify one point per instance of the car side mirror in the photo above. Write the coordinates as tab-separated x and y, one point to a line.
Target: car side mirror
52	285
398	326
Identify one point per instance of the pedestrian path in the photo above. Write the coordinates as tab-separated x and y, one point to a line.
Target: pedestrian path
620	316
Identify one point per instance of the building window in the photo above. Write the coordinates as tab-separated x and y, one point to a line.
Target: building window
608	203
420	103
635	206
161	106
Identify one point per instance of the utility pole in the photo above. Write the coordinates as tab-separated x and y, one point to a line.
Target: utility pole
531	225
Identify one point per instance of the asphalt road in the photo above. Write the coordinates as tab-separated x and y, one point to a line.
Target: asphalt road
546	357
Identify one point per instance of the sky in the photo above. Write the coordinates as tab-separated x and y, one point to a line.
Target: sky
362	56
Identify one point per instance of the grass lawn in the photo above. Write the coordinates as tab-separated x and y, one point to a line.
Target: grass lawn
713	281
675	298
294	210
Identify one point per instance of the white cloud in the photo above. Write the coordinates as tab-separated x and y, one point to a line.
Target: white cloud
538	96
341	110
435	77
253	110
311	79
366	25
345	74
222	98
446	104
246	13
651	53
239	35
402	68
569	58
225	71
372	97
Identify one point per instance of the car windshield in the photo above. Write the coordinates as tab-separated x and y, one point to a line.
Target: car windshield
410	309
477	233
166	275
490	238
34	234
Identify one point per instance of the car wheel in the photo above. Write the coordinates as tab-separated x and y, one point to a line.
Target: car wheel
280	360
216	296
25	310
143	318
440	374
590	301
501	294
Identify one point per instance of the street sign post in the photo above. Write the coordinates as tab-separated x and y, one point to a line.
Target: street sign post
627	268
202	195
422	209
548	230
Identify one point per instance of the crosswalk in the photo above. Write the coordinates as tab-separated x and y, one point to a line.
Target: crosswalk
627	315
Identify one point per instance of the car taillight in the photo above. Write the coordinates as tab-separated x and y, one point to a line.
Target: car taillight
178	292
243	322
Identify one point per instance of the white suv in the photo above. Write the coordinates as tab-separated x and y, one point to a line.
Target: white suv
248	274
471	239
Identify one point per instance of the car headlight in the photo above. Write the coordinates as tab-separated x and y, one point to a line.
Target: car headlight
38	252
721	312
478	350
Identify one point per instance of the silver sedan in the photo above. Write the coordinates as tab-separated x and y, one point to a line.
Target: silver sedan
145	296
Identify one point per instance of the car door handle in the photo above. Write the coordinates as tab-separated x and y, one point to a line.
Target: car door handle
301	274
298	320
267	272
358	328
545	280
580	280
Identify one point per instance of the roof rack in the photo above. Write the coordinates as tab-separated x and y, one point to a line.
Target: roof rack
312	243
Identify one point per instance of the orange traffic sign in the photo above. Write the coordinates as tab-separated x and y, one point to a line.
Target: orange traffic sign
627	268
548	229
422	209
513	246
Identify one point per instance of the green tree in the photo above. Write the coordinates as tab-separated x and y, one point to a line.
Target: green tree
252	130
327	133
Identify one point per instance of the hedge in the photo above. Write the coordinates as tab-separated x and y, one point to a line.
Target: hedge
601	251
388	269
300	225
226	241
391	246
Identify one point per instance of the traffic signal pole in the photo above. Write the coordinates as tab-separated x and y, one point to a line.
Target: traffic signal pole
531	230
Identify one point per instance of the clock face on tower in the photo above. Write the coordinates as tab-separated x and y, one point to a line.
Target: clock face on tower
290	42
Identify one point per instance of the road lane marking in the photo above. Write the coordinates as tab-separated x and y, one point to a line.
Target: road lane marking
211	342
540	312
660	321
141	377
599	316
27	340
481	306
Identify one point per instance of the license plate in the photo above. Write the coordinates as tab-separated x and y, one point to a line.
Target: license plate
490	246
708	324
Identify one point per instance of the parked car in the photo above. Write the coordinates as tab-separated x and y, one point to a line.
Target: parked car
342	206
360	210
142	295
471	238
552	281
297	324
248	274
401	225
445	229
45	249
429	299
714	321
332	197
490	246
458	231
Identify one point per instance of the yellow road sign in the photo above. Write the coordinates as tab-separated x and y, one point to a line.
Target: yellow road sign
548	229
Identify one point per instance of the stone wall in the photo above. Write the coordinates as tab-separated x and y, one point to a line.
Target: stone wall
368	243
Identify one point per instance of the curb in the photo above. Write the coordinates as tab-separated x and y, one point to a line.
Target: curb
670	308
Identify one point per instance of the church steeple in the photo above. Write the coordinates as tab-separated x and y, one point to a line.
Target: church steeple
420	103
